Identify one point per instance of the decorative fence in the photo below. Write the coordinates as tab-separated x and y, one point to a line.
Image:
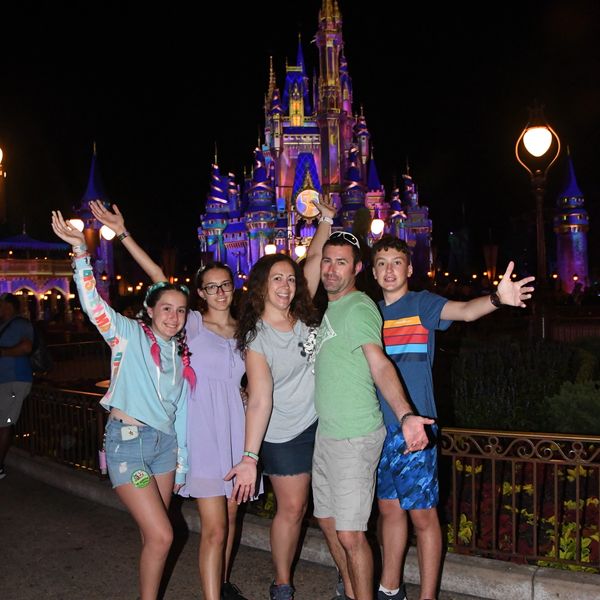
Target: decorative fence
79	362
64	425
523	497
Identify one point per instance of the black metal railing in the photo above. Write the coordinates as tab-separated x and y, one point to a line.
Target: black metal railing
524	497
64	425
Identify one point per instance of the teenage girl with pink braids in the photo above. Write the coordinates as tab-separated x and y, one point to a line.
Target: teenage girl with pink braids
147	398
215	423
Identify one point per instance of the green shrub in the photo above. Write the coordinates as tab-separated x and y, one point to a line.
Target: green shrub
505	385
575	408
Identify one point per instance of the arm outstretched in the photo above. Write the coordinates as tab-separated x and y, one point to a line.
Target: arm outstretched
116	222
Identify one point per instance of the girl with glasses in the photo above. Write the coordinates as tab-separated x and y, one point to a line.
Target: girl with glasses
215	410
145	440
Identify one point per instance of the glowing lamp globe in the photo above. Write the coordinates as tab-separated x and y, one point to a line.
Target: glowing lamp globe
107	233
300	251
1	155
270	249
537	140
377	226
77	224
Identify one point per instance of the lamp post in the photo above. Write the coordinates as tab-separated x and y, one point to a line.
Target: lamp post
536	150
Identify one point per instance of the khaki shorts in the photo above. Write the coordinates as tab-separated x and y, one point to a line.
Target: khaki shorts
12	395
343	479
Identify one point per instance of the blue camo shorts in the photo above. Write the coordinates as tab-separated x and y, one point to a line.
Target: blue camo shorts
410	478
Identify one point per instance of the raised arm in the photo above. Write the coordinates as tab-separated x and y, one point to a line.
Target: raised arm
509	292
116	222
103	316
258	413
386	379
312	264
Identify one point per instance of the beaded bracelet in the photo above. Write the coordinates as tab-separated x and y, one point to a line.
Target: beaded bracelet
122	236
250	455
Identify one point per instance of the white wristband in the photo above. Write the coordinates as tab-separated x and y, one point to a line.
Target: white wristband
326	220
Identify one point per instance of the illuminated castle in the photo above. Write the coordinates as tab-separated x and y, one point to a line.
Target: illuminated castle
571	224
314	146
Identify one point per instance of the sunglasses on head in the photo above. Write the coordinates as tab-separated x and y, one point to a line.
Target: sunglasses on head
347	237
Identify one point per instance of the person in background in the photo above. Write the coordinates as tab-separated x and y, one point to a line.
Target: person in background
145	440
215	419
16	342
407	483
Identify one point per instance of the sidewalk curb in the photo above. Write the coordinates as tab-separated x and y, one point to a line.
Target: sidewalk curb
482	578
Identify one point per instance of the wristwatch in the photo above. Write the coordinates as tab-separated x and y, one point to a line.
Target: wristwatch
495	300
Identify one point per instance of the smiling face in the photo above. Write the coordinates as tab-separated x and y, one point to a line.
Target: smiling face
281	286
338	271
221	300
168	314
391	269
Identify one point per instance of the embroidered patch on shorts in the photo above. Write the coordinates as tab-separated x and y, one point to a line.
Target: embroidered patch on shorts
140	478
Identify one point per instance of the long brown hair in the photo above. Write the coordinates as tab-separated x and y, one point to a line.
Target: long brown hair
253	303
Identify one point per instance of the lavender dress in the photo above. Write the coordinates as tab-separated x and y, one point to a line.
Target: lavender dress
215	427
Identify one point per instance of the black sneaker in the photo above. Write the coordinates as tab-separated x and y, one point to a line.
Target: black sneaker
2	473
285	591
231	592
399	595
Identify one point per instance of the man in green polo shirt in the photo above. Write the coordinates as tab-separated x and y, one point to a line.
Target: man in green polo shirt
349	363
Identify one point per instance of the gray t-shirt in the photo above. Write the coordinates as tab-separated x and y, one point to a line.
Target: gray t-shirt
293	380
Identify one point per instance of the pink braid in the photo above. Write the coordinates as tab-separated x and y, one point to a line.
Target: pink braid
154	348
188	372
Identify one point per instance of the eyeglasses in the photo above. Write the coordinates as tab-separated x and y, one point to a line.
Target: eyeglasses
212	288
347	237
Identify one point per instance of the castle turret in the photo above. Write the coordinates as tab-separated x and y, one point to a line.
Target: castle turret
375	197
353	196
214	221
329	42
98	245
571	225
418	228
261	213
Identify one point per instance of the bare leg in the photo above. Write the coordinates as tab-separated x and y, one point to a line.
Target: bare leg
429	548
337	553
213	534
232	508
148	506
393	527
291	493
360	562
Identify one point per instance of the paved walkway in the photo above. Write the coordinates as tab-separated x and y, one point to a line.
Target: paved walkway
64	535
57	546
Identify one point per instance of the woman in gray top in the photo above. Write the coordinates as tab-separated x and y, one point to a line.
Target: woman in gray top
276	332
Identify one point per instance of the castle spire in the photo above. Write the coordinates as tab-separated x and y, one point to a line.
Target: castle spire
300	55
272	83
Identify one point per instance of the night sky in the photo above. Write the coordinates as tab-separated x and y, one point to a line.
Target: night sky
156	88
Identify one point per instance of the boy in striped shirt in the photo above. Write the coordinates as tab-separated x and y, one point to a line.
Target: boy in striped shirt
408	482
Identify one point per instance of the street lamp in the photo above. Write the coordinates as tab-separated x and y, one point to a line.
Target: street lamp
537	149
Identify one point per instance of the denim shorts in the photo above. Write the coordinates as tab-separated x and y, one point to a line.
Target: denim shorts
136	453
289	458
409	478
